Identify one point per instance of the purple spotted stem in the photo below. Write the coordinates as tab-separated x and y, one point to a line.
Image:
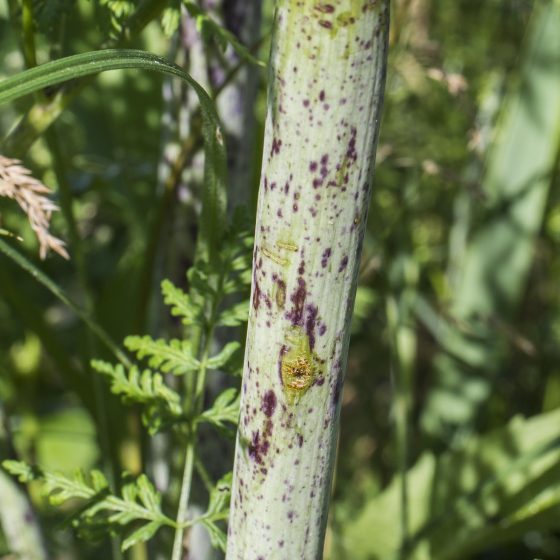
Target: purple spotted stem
328	66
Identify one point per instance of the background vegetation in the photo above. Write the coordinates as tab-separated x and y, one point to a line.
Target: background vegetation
454	370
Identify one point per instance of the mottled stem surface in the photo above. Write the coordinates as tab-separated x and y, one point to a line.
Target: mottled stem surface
327	78
18	523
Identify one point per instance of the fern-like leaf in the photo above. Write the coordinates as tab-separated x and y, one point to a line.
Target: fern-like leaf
139	501
234	316
58	487
181	304
227	355
217	511
174	356
161	404
224	410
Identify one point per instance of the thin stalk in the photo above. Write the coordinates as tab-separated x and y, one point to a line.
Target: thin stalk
401	419
29	52
182	512
206	337
242	63
186	484
403	342
327	74
204	475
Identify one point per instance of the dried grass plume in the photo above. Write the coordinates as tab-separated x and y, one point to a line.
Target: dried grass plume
17	184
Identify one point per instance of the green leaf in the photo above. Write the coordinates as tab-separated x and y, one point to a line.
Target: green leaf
170	18
94	62
161	404
143	534
225	409
119	8
218	536
199	280
174	356
225	356
235	316
218	508
24	472
238	283
57	486
60	487
139	502
181	304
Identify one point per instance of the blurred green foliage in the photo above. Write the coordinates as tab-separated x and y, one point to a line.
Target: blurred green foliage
454	371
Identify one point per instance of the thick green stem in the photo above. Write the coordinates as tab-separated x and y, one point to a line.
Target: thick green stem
327	80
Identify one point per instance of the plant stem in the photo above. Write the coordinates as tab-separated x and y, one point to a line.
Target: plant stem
327	71
182	512
28	34
401	365
206	337
186	484
19	523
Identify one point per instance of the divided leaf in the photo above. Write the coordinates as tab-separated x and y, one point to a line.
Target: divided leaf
174	356
228	354
234	316
161	404
181	304
218	509
225	409
139	502
58	487
143	534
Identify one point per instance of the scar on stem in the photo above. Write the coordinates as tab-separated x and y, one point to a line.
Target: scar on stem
287	245
274	257
299	367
